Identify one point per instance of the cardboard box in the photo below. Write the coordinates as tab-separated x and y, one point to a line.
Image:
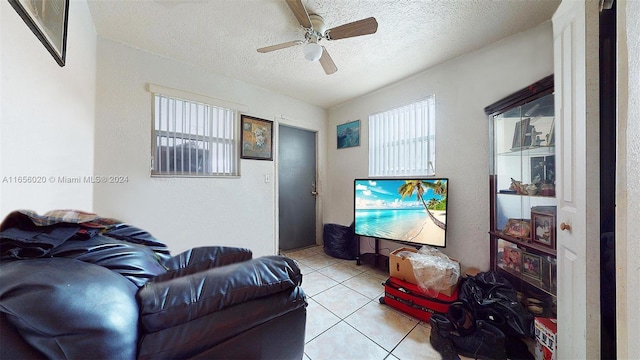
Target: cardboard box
546	335
400	267
471	271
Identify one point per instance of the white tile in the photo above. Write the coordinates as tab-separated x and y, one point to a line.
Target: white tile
304	269
351	263
340	272
416	346
346	321
300	254
318	261
381	324
379	273
318	249
316	282
341	300
343	342
319	320
366	284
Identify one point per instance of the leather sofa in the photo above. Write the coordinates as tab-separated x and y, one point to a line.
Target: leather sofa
113	291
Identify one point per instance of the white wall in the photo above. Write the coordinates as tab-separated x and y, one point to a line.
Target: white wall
463	87
189	212
47	114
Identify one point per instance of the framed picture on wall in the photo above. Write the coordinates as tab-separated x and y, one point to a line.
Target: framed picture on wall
348	135
257	138
48	19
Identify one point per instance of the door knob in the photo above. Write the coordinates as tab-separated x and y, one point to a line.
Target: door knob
564	227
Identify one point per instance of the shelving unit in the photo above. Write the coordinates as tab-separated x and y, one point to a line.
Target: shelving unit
522	193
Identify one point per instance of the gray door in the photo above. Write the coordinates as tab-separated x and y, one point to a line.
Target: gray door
297	187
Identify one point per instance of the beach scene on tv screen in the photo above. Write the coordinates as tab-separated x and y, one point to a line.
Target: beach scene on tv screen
404	210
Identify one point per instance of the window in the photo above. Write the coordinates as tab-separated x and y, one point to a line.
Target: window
192	136
402	140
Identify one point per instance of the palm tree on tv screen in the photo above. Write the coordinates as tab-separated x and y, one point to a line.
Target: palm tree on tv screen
418	187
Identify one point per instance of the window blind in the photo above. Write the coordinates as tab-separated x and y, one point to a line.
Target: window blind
192	138
402	140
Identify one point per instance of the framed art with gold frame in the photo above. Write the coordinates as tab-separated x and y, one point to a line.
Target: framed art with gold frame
256	138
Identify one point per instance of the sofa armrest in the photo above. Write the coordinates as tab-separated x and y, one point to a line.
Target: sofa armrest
182	299
202	258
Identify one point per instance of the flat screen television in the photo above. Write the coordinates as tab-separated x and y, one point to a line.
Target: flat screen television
412	210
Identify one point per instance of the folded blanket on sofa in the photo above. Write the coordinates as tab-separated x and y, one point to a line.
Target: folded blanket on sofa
125	249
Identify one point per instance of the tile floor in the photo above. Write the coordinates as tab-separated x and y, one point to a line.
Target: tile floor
345	319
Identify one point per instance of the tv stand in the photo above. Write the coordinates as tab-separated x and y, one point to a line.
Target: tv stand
376	259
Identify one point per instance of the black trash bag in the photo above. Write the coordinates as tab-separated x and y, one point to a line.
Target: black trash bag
492	298
340	241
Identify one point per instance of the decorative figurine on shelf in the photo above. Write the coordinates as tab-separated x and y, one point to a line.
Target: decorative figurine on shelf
516	186
535	135
532	189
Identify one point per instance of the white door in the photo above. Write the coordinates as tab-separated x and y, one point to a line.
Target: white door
576	77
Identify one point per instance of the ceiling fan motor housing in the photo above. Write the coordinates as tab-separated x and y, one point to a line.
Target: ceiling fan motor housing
318	27
312	51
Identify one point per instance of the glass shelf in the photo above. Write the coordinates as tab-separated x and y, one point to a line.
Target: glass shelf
531	151
522	188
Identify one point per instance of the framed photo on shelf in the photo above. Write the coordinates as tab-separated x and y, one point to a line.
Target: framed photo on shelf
543	223
543	169
548	273
510	257
522	134
532	266
551	136
538	167
553	274
550	169
257	138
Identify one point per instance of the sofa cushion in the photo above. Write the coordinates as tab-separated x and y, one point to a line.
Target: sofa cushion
136	262
65	308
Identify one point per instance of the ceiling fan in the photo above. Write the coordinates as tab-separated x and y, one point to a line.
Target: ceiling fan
316	30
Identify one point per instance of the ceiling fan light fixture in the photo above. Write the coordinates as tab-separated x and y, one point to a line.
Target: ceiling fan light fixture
312	51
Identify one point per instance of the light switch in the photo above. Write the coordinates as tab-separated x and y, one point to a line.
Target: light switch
267	178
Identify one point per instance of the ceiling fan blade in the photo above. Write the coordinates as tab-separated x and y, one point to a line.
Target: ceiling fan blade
327	63
361	27
280	46
300	12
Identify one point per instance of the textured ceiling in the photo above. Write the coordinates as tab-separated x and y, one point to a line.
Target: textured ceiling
223	35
